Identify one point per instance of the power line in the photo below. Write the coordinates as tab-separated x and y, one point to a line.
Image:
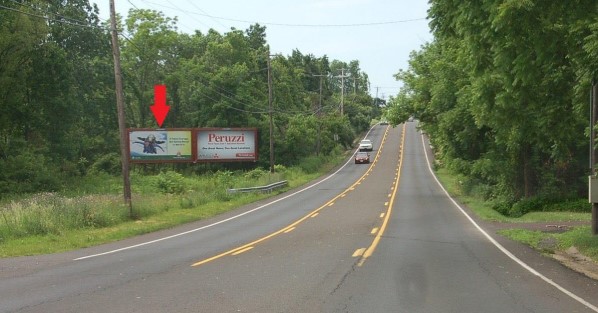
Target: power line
126	38
49	19
218	90
193	4
289	24
72	20
175	19
259	110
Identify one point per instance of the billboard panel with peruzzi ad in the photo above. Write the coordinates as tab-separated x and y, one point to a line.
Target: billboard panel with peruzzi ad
226	144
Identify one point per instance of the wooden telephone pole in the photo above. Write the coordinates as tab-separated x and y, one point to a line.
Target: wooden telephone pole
319	116
594	152
342	76
121	111
270	113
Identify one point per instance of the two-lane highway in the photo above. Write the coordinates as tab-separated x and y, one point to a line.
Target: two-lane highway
435	258
368	238
131	275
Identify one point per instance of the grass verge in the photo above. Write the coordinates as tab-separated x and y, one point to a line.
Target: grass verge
91	236
91	212
545	242
549	243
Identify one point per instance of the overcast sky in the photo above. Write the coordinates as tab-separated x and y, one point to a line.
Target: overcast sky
380	34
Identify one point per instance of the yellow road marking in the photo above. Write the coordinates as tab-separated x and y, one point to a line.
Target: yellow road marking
358	252
290	227
370	250
243	250
375	230
315	214
289	230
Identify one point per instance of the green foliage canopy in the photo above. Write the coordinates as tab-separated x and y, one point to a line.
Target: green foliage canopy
502	90
58	112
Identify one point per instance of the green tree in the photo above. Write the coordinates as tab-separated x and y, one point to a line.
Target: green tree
149	57
502	99
49	51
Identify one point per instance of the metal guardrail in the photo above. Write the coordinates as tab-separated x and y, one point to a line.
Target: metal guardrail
267	188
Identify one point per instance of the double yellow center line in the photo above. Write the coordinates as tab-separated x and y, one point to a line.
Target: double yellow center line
291	227
366	253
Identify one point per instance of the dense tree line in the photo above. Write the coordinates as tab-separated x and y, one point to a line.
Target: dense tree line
503	91
57	99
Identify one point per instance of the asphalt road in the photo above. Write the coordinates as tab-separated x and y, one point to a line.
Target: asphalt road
368	238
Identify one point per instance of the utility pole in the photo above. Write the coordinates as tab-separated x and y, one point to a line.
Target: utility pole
342	76
594	154
342	91
121	111
270	113
319	115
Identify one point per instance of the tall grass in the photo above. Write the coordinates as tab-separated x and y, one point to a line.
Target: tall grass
51	213
94	206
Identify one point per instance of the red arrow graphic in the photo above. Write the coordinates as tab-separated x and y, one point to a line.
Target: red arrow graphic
160	109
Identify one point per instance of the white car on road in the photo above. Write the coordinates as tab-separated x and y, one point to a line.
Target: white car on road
366	145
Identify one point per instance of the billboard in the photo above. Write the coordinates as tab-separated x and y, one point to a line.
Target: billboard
160	145
226	144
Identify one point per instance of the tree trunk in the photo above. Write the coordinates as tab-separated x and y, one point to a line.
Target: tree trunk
529	177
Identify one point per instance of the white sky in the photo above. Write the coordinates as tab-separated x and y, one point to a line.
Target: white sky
382	47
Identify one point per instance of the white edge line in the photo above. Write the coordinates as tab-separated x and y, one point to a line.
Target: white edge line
222	221
501	247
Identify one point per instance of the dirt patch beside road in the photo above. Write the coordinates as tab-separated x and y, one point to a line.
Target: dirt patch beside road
570	257
577	262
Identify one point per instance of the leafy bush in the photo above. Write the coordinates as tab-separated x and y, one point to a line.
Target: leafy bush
170	182
501	207
279	168
484	191
225	179
569	205
108	163
310	164
28	173
186	202
542	204
255	174
459	166
524	206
